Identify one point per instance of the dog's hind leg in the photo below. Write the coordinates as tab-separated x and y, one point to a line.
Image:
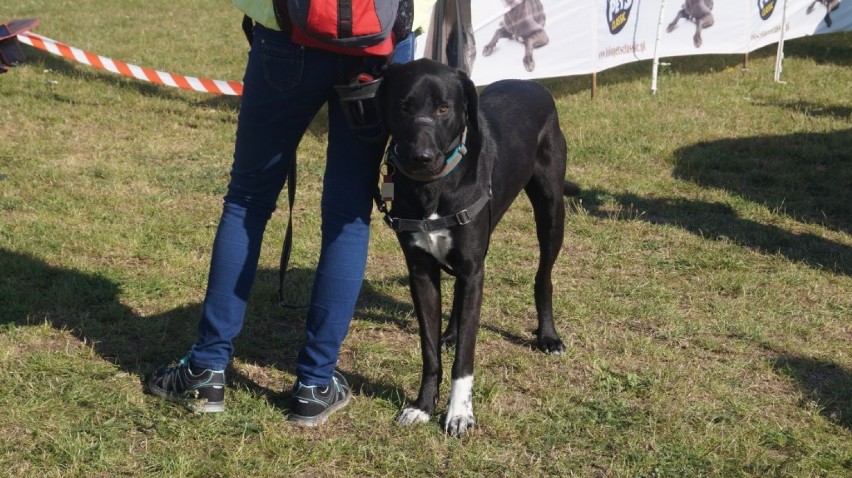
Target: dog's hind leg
545	191
549	211
448	338
424	279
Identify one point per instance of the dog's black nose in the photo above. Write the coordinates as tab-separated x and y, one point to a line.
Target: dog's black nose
423	156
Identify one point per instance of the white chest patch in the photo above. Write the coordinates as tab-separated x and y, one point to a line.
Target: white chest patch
438	243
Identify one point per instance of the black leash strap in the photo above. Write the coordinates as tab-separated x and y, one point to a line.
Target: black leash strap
288	239
248	29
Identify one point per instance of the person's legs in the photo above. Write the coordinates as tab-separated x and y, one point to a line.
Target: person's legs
349	184
351	176
284	86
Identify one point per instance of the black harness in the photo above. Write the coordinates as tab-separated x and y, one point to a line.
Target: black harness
453	158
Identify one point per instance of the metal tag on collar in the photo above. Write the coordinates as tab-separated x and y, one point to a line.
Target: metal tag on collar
387	182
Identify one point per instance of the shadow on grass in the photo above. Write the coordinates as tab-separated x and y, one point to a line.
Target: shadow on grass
804	175
720	222
88	306
826	383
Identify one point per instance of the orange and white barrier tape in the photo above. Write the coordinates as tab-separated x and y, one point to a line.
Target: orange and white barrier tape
146	74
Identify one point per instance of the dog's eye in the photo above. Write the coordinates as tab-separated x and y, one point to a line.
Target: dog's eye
443	109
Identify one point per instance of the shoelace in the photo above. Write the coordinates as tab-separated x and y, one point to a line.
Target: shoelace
171	377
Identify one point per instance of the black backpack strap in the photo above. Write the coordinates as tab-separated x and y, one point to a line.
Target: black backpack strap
248	28
282	15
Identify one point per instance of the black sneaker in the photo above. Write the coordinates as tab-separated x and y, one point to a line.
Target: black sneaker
202	393
311	405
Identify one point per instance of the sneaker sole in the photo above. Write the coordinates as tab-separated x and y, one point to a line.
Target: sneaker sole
206	407
193	405
315	421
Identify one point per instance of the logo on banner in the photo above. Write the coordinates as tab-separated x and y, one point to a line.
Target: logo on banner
617	12
766	8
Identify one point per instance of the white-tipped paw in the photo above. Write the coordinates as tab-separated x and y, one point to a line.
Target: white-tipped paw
458	425
411	415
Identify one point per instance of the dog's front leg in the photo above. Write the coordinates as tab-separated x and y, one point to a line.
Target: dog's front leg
705	21
681	14
500	33
831	6
811	7
536	40
467	302
424	281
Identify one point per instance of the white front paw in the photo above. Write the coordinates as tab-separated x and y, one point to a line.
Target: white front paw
411	415
458	425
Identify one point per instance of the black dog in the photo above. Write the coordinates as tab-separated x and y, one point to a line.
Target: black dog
697	11
830	6
461	160
525	23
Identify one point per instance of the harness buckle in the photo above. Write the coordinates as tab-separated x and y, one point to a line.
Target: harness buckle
392	222
462	217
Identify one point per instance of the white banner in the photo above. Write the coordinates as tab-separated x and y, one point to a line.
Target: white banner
548	38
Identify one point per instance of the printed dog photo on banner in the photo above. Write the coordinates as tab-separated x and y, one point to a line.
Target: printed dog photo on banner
528	39
706	27
699	12
830	6
524	22
810	17
531	38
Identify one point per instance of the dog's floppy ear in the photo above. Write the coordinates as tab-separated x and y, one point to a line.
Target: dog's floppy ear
471	99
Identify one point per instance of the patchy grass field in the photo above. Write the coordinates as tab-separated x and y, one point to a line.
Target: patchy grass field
704	290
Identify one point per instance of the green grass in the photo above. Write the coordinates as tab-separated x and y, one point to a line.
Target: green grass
704	288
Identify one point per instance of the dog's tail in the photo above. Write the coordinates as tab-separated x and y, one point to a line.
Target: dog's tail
570	189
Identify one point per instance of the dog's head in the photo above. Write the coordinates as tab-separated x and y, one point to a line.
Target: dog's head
426	108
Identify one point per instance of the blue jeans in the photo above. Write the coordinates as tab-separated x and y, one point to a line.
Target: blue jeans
284	87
